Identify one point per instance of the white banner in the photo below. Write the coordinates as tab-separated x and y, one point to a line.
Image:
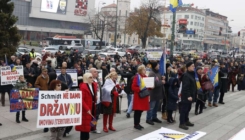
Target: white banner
10	75
99	75
154	54
169	134
59	108
73	73
239	136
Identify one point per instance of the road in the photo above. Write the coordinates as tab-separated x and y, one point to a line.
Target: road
220	123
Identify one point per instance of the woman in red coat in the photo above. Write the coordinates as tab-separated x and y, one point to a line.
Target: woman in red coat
89	97
139	104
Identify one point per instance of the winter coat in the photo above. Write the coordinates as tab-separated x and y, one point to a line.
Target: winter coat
20	85
29	78
157	92
189	87
68	81
139	103
232	75
88	104
172	94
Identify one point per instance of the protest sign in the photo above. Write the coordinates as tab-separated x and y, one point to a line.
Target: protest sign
99	75
9	75
169	134
59	109
239	136
154	54
24	99
73	73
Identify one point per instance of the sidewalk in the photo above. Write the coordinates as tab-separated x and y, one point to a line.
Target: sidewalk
220	123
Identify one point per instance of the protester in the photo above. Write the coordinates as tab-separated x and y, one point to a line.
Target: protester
89	97
156	94
29	74
110	100
139	104
42	80
21	84
65	78
56	132
224	82
172	98
188	95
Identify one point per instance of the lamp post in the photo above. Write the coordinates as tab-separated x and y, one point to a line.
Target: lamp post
226	30
115	35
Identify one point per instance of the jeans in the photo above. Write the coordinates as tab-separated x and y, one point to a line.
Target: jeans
215	94
152	112
130	107
129	97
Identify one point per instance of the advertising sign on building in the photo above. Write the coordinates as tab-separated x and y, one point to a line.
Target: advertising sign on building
59	109
9	75
81	8
54	6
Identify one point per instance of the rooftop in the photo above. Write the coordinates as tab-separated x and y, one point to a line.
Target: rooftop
113	5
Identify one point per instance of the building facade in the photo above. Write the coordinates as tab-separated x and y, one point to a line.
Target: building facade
217	31
196	22
38	19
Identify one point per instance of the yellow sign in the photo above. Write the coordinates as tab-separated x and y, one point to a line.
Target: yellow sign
173	136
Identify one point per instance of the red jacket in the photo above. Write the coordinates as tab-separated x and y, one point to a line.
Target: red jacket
139	103
87	104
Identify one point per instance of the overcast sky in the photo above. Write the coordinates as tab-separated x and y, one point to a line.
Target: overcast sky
234	9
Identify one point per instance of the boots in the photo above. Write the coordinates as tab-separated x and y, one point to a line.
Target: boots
105	118
3	99
209	104
110	123
183	126
24	116
164	115
17	119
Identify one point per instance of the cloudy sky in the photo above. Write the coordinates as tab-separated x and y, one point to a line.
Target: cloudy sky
234	9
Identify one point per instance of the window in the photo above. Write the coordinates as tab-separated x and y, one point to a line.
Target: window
195	17
192	16
119	12
179	16
195	24
186	16
202	18
126	13
191	23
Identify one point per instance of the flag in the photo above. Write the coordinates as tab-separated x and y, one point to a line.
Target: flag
174	4
162	64
6	60
141	83
213	75
199	88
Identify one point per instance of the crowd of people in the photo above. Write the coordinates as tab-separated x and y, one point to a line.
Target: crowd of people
175	90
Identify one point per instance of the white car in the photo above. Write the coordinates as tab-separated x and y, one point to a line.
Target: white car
117	50
50	50
104	54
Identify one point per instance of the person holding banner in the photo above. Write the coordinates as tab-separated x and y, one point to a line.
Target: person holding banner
110	100
21	84
56	132
89	97
65	78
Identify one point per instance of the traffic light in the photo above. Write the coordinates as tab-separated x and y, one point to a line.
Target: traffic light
239	33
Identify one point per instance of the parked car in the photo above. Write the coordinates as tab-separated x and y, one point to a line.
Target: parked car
51	50
103	55
117	50
91	52
133	49
79	49
22	50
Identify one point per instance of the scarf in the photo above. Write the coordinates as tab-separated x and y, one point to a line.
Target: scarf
141	83
106	90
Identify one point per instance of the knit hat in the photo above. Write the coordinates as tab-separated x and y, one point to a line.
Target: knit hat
153	65
189	64
198	68
168	65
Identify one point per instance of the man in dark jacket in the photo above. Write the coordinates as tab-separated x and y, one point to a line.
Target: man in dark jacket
224	81
188	94
65	78
156	94
29	74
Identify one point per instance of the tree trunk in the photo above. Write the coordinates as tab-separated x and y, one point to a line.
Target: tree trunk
143	41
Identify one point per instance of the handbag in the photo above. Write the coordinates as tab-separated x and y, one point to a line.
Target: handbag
208	86
144	93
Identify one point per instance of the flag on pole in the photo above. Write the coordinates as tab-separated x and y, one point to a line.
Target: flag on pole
174	4
199	88
162	64
213	75
6	60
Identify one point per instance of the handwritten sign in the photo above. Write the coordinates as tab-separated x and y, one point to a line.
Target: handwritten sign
9	75
59	109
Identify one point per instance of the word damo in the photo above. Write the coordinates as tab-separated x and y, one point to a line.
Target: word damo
60	109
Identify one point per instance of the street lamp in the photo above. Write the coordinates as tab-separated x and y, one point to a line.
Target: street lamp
103	3
226	30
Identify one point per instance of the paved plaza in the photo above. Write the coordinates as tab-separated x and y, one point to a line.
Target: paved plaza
219	123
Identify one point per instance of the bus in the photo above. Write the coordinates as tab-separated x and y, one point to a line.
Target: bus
93	44
66	42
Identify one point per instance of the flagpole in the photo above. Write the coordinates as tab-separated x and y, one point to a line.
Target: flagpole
173	34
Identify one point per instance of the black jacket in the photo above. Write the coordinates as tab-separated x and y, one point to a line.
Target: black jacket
189	87
127	75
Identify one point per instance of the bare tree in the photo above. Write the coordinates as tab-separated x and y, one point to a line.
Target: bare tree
100	22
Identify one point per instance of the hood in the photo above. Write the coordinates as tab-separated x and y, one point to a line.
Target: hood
172	81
